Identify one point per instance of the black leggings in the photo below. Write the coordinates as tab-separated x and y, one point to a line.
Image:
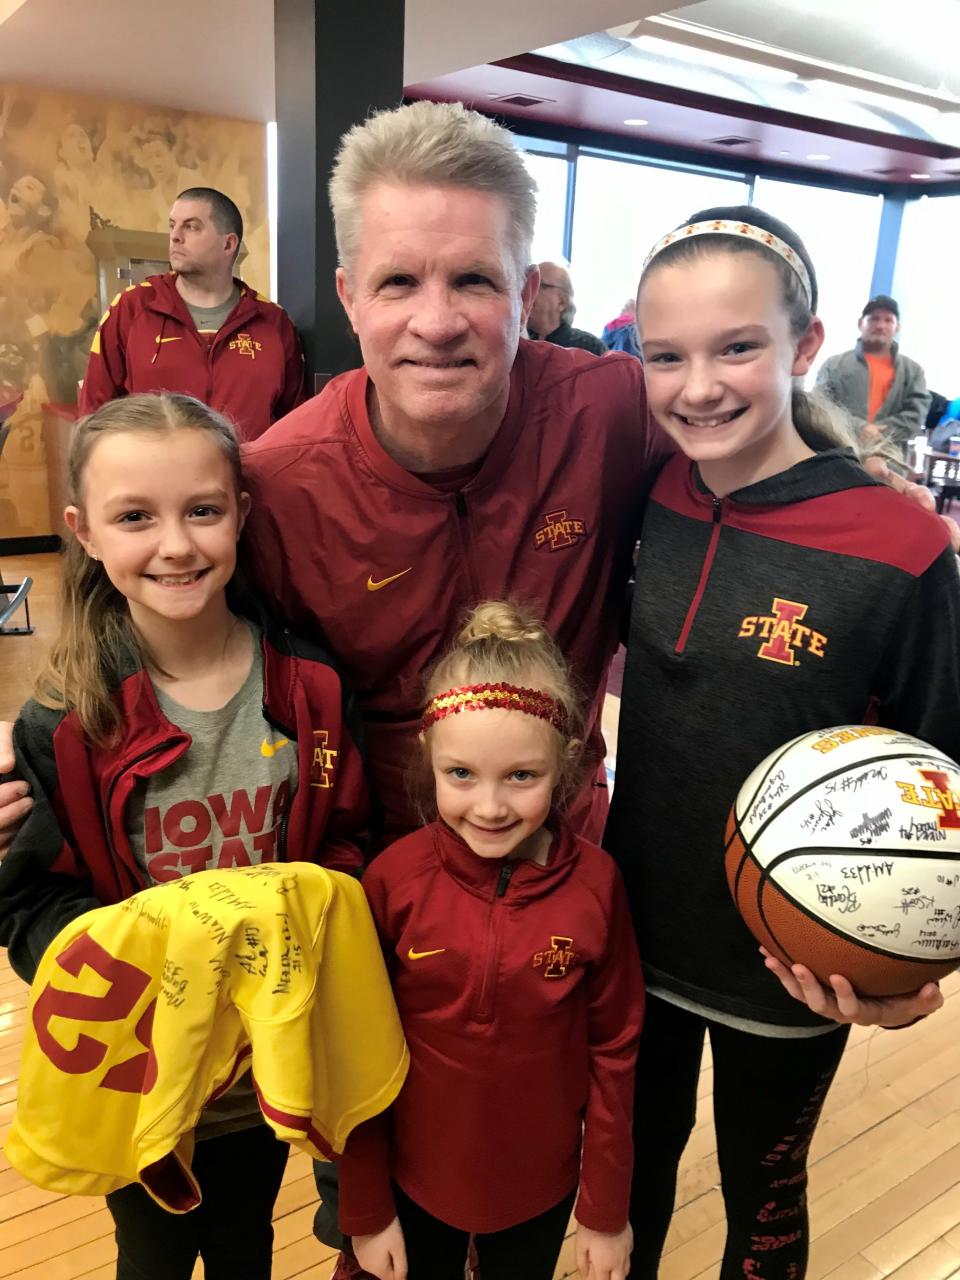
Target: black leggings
239	1176
767	1097
528	1251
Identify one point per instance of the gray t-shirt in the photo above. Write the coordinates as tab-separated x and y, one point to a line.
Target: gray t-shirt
220	805
210	319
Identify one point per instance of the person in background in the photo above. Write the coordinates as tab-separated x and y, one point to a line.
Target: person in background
551	316
621	334
199	330
884	392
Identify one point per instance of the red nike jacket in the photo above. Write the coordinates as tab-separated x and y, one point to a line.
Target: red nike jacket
252	371
347	544
521	999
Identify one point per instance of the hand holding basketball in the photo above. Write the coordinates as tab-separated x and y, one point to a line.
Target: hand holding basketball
842	1004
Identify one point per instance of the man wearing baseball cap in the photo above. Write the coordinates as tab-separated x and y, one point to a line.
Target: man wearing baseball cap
884	392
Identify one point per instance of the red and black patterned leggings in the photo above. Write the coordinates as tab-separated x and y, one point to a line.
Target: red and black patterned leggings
767	1098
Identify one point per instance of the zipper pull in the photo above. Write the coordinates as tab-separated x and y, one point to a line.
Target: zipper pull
717	510
506	871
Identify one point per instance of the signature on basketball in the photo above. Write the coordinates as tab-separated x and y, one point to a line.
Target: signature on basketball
871	931
913	899
822	818
776	786
853	782
922	831
840	896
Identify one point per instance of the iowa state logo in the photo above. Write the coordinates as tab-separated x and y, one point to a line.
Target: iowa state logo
245	345
559	530
557	959
783	632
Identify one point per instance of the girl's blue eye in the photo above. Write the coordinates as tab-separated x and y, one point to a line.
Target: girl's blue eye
741	348
523	775
665	357
459	773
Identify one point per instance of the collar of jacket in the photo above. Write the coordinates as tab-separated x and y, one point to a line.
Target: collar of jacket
355	389
166	299
831	471
858	351
529	880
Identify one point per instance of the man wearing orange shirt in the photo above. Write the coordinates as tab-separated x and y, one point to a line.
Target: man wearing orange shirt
884	392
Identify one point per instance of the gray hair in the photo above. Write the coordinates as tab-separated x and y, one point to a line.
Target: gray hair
431	144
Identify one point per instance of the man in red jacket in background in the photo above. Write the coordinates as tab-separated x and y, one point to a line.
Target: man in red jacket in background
199	330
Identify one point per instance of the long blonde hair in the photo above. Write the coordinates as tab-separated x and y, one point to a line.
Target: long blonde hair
505	642
97	640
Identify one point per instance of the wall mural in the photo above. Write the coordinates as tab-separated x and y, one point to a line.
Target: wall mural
69	165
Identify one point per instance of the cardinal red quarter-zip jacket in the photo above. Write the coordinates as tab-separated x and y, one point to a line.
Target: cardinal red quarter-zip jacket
521	999
386	566
252	371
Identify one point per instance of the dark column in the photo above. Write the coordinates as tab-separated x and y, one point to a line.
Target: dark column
335	62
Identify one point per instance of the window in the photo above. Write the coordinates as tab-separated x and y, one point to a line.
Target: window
550	173
840	230
622	209
925	286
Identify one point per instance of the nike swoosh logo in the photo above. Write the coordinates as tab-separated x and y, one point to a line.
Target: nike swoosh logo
162	340
385	582
419	955
269	749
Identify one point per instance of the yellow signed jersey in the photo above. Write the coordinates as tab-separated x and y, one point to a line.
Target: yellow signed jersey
142	1012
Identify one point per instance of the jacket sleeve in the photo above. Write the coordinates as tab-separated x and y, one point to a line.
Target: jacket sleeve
918	688
910	418
291	393
615	1017
36	902
106	373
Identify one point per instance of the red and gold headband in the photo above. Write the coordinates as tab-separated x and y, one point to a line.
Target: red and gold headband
479	697
727	227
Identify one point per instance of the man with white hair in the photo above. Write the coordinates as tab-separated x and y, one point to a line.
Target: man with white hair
551	316
461	462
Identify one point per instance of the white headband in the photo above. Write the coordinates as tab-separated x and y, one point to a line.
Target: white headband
726	227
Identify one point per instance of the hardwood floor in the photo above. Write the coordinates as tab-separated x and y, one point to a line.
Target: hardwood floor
885	1163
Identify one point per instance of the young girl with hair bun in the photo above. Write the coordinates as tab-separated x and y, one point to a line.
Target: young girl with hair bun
170	733
779	590
516	974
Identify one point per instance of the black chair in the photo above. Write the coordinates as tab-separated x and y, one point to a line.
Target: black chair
15	592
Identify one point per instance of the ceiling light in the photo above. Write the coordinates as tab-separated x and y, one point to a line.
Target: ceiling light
636	122
818	155
784	153
921	177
